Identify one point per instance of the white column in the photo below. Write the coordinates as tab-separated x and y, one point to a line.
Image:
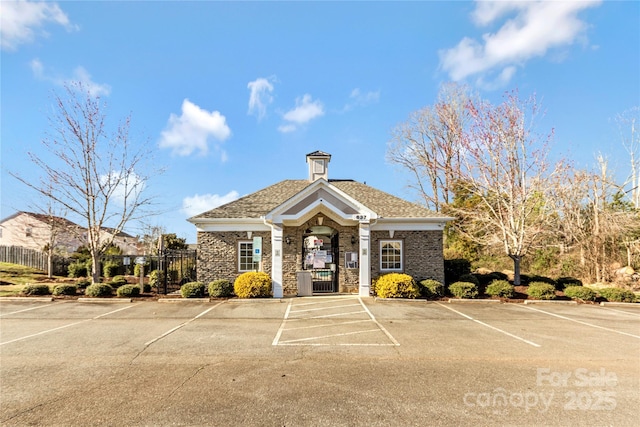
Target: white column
365	260
276	260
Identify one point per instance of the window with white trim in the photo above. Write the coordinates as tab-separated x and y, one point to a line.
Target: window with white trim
245	257
390	255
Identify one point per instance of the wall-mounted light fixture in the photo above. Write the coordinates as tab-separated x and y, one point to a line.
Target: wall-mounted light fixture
287	240
353	240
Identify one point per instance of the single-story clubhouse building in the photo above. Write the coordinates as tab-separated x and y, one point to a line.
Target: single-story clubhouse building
340	233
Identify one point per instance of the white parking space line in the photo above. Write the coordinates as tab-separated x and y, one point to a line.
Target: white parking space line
26	309
66	326
491	327
581	322
621	311
172	330
294	314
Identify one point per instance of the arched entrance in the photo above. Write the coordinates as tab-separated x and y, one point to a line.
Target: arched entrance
320	255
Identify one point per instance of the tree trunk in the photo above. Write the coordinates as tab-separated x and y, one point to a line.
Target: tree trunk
95	268
516	269
50	263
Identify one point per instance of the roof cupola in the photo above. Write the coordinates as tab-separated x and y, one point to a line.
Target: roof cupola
318	165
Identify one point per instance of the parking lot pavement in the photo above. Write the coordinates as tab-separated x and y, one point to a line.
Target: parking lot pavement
215	363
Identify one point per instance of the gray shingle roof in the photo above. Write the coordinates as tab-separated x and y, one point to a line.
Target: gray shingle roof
263	201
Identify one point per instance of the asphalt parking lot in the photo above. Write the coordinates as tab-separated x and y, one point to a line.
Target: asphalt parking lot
335	361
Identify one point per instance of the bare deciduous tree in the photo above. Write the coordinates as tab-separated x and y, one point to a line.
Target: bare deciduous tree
629	128
94	174
429	144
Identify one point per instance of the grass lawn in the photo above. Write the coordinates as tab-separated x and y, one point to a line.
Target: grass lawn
13	277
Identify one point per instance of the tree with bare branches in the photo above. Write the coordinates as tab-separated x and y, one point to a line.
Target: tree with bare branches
91	172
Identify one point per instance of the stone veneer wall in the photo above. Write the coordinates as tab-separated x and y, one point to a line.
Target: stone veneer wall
422	253
348	279
218	254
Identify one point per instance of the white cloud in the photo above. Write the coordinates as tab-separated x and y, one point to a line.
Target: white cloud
81	77
20	20
359	99
306	110
198	204
260	96
537	27
193	129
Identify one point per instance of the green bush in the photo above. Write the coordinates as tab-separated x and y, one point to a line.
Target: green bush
99	290
36	289
541	290
128	291
83	283
118	281
542	279
430	288
580	292
500	288
563	282
220	288
137	267
78	269
469	278
463	289
192	290
486	279
397	285
252	284
146	288
617	295
65	289
156	278
110	268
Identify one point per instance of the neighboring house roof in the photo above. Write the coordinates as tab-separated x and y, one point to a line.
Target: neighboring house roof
260	203
63	222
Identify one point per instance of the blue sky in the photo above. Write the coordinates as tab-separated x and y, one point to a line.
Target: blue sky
230	96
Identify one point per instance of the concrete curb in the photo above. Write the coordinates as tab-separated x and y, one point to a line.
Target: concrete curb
27	299
109	300
620	304
423	301
469	300
170	300
260	300
549	301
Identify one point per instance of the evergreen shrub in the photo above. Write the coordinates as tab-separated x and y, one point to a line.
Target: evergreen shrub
463	290
541	290
192	290
220	288
252	284
65	289
78	269
617	295
36	289
99	290
580	292
397	285
500	288
431	288
118	281
128	291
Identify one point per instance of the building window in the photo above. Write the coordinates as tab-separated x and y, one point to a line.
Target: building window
245	257
390	255
28	232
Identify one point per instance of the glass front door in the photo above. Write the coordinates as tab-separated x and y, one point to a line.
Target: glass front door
320	257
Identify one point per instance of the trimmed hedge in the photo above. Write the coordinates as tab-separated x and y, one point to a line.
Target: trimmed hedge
540	290
220	288
78	269
397	285
36	289
128	291
617	295
192	290
466	290
470	278
99	290
580	292
118	281
252	284
65	289
500	288
83	283
430	288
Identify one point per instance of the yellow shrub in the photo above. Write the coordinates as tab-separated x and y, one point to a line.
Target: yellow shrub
252	284
396	285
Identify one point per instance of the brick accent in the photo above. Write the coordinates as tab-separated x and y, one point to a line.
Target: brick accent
422	253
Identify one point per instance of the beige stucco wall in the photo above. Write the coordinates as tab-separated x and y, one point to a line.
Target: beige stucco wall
14	233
